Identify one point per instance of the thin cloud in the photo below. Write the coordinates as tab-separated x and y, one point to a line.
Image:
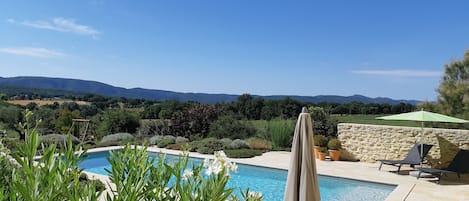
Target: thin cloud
400	73
32	51
59	24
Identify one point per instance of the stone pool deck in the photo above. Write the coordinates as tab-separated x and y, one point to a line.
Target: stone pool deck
408	187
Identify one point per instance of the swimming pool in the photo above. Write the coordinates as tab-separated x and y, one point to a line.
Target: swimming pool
271	182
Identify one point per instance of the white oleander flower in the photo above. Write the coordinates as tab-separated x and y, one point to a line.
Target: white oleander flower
217	167
187	174
254	194
209	170
207	162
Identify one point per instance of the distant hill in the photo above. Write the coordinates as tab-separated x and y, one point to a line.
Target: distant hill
76	86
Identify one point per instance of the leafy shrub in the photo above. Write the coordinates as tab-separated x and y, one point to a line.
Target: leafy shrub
226	143
165	142
170	138
117	137
242	153
230	127
334	144
100	186
53	177
178	146
209	145
193	145
239	144
323	123
281	133
6	168
12	144
181	140
196	137
205	150
58	139
155	139
259	144
320	140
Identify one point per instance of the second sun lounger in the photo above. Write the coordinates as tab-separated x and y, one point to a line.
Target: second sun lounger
412	158
459	165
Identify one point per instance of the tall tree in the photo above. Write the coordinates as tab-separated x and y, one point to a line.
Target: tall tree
118	120
453	98
65	119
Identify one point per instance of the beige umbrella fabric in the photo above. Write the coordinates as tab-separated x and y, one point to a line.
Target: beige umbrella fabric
302	181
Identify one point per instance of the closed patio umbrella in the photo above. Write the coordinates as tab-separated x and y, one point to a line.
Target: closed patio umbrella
423	116
302	182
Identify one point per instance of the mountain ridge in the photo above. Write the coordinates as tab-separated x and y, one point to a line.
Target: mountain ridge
95	87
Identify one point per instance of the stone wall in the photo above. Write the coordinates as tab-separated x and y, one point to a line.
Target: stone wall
373	142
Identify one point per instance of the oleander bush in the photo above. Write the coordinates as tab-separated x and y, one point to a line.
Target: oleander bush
100	186
53	176
242	153
117	138
172	180
239	144
6	168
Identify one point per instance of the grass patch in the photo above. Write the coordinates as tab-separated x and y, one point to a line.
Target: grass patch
371	119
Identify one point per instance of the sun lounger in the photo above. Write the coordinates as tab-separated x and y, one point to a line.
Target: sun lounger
459	165
413	157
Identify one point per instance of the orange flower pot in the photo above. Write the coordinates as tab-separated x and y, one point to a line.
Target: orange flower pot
317	149
334	154
322	156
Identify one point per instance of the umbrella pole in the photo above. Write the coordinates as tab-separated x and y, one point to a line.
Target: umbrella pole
421	143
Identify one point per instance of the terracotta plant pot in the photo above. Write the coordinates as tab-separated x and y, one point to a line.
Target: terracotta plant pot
322	156
334	154
317	149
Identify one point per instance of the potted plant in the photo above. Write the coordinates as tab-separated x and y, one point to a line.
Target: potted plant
320	142
322	153
334	146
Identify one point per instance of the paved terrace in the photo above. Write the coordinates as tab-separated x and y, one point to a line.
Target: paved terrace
408	187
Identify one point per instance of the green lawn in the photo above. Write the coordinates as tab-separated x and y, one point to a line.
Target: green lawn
371	119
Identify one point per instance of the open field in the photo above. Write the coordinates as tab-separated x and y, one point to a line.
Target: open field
371	119
45	102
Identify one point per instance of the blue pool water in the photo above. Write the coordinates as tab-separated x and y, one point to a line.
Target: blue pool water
271	182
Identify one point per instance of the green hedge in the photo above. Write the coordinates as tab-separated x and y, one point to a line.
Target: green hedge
242	153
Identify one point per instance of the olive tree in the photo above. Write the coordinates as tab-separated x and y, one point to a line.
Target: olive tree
453	98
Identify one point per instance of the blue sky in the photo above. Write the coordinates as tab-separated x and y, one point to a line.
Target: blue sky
391	49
